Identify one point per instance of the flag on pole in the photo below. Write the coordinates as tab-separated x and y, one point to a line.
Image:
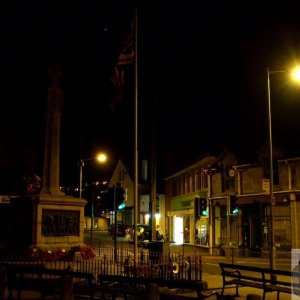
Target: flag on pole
127	54
126	57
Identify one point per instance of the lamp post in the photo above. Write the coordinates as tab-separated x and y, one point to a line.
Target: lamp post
295	75
81	164
102	159
116	226
272	202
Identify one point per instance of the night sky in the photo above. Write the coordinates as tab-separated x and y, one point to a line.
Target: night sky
202	79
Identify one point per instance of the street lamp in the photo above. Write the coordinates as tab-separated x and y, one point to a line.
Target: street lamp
81	164
102	159
295	75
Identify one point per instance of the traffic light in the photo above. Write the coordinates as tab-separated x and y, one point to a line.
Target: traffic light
108	199
233	209
115	198
123	205
203	207
120	197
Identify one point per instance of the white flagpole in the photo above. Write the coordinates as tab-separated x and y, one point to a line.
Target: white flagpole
136	206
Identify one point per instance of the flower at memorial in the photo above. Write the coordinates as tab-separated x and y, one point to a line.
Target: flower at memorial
86	252
38	254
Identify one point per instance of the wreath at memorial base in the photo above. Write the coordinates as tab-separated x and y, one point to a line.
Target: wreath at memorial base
38	254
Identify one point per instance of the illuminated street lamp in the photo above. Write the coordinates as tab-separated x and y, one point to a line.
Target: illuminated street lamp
295	76
102	159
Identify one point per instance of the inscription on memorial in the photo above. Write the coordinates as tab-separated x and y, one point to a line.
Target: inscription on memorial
60	222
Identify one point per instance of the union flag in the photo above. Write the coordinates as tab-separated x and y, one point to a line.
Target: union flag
125	58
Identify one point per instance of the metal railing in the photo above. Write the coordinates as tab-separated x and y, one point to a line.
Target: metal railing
150	264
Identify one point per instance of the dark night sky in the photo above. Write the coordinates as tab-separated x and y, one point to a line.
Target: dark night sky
201	70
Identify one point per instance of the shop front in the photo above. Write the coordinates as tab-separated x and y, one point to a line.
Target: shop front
257	220
202	232
186	223
218	216
182	221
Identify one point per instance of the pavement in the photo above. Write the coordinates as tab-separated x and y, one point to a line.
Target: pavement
214	284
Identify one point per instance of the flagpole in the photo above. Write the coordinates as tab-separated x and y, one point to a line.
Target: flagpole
136	206
153	177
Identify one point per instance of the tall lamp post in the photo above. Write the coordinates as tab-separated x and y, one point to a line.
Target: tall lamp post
102	159
271	202
81	165
295	74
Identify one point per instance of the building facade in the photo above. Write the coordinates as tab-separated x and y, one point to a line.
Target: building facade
184	189
262	220
220	205
126	215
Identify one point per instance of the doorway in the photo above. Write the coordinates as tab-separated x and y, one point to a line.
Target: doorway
252	228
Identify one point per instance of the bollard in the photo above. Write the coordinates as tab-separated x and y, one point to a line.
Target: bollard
152	291
200	265
67	290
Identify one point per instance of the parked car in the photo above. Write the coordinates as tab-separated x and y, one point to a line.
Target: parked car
143	232
122	229
144	235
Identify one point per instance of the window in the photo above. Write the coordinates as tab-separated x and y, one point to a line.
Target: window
186	184
192	180
293	175
204	184
196	180
174	187
275	172
266	168
182	185
179	189
200	174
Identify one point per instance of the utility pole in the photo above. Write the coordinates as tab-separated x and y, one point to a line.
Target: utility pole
136	156
153	184
81	165
115	228
92	213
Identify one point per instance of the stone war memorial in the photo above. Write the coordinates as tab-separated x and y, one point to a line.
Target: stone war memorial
57	219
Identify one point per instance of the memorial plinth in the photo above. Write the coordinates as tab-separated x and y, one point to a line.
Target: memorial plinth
58	220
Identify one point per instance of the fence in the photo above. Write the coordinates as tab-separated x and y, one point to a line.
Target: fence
163	265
